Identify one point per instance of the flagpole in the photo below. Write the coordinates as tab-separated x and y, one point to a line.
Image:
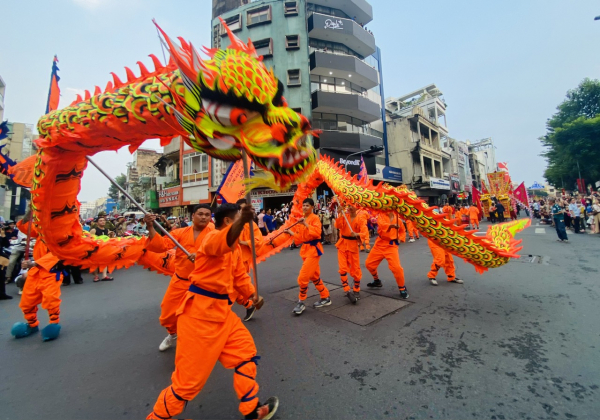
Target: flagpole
139	206
251	228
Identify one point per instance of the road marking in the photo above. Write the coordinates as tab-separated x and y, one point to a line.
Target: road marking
540	230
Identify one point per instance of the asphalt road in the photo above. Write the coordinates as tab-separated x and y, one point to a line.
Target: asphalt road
522	341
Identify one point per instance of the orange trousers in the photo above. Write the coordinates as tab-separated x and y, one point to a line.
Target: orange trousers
171	301
311	271
442	259
200	344
475	222
349	262
412	231
390	254
42	287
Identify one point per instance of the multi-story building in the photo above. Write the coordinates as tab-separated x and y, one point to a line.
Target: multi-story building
327	59
418	143
484	153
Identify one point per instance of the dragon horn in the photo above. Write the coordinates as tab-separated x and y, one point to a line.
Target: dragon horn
236	43
178	54
157	64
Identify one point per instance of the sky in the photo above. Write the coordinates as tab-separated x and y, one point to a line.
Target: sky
503	66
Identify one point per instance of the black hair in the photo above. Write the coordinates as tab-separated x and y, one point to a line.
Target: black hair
241	201
309	201
223	211
198	207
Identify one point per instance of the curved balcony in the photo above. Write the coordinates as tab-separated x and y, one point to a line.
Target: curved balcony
344	66
348	141
343	31
361	10
356	106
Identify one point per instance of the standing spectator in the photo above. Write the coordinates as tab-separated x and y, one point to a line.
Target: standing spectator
325	218
269	222
575	214
130	224
596	216
182	222
500	210
4	254
261	223
164	222
140	228
559	221
101	230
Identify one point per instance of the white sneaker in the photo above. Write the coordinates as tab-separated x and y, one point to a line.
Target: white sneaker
411	240
168	342
433	282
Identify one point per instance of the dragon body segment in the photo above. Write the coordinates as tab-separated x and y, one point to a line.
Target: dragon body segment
221	106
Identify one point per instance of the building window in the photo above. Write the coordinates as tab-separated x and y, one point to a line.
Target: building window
195	168
290	8
292	42
257	16
293	77
234	22
264	47
335	84
297	110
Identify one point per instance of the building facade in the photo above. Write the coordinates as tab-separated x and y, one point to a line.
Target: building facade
2	91
328	62
482	155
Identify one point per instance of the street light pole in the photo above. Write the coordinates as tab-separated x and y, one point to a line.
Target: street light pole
372	149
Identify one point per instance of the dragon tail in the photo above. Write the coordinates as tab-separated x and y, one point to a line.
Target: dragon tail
503	236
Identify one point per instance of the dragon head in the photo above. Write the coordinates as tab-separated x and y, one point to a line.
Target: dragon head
232	102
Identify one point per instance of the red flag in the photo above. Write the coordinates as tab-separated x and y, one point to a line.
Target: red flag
362	175
54	91
477	201
520	194
232	186
503	166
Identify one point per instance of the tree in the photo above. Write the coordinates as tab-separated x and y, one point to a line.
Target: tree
573	137
113	192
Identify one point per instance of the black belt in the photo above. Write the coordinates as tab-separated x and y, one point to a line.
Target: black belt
182	278
394	242
350	238
315	243
200	291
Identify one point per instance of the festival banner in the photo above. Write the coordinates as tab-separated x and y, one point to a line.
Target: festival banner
520	194
54	91
362	175
498	183
232	186
477	201
484	189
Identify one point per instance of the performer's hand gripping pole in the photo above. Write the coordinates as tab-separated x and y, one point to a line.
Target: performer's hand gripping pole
139	206
258	301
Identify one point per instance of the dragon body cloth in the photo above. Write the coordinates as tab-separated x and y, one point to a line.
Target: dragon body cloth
220	106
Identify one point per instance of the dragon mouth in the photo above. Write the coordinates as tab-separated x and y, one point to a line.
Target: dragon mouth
293	161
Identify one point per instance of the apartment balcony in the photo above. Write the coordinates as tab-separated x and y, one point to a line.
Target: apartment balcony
348	141
361	10
345	67
353	105
343	31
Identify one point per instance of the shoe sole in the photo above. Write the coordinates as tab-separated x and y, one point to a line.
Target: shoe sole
402	297
272	413
433	284
375	287
352	298
298	313
320	306
248	318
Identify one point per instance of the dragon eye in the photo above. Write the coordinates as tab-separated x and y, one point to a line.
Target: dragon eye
227	115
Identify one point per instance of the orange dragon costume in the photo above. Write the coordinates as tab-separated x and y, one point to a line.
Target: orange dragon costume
386	248
348	252
42	287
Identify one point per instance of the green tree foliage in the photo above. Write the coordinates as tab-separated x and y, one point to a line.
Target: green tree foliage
573	135
113	192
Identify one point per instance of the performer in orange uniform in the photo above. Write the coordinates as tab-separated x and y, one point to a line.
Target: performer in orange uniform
190	238
365	242
441	259
412	231
391	230
348	254
246	248
448	211
308	233
474	216
208	330
44	279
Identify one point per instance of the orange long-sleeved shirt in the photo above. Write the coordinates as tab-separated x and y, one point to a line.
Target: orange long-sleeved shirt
41	254
385	234
245	236
359	225
185	236
303	234
448	210
218	269
473	212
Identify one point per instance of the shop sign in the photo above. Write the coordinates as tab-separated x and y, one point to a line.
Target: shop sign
455	185
169	197
273	193
389	173
439	184
257	203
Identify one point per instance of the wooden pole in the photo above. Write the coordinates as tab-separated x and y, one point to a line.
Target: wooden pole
251	226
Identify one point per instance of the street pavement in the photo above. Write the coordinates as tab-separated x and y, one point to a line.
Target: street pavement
519	342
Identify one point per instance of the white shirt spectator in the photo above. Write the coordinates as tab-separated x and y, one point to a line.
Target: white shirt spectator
575	210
